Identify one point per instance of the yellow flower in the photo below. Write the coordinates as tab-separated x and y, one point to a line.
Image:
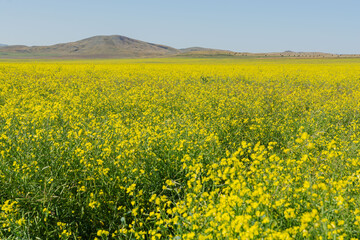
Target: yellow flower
102	233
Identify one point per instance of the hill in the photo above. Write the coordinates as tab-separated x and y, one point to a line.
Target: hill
93	47
116	46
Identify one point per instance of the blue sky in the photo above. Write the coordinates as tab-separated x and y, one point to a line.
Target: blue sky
248	26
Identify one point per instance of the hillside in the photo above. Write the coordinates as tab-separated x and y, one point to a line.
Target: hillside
93	47
116	46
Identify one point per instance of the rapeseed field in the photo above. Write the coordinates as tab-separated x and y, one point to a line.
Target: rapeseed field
180	149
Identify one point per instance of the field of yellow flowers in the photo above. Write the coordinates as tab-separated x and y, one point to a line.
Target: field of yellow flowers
180	149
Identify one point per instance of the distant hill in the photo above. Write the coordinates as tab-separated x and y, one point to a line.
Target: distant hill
196	49
93	47
204	52
116	46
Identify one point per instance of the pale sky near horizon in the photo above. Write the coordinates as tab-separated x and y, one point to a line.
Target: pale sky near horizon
244	26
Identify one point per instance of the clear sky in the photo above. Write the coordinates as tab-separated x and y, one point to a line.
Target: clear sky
243	25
